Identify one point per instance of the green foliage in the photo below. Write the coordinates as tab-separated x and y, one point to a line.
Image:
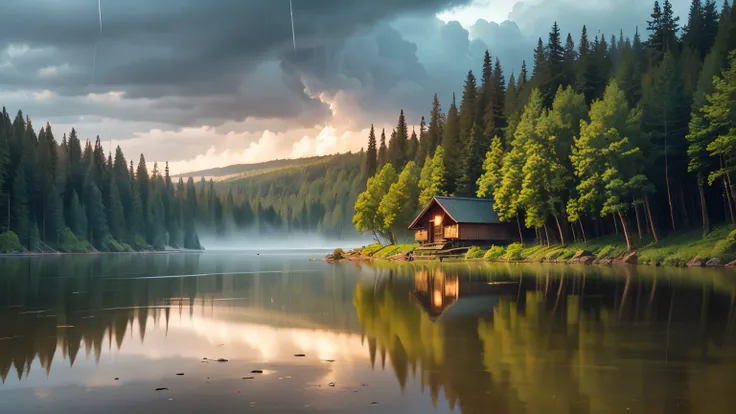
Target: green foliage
513	252
453	149
432	178
494	253
475	252
400	203
491	177
368	217
9	243
69	243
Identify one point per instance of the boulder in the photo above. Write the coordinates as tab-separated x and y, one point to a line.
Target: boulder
732	264
631	258
696	262
714	262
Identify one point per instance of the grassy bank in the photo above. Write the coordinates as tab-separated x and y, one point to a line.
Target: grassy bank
676	250
378	251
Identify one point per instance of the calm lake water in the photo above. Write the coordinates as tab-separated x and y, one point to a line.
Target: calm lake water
99	334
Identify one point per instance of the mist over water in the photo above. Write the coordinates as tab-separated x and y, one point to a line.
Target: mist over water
278	240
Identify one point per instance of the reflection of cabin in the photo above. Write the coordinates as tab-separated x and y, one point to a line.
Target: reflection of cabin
445	296
461	222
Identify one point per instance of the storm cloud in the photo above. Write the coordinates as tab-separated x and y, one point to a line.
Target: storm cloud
192	79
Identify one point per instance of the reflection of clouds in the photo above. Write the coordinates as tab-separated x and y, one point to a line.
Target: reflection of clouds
198	336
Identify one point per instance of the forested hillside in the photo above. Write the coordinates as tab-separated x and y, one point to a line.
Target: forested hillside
311	195
623	134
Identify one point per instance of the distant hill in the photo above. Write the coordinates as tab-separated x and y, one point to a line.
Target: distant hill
236	171
312	195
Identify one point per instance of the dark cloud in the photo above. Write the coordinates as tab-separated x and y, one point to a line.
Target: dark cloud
201	49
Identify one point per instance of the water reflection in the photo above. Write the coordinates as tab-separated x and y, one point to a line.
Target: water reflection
529	339
452	337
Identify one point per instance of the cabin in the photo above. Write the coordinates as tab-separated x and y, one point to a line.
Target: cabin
461	222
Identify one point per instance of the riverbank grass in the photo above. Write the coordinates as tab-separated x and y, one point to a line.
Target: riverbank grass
678	249
379	251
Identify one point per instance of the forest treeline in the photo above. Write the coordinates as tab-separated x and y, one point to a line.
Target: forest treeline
72	197
607	134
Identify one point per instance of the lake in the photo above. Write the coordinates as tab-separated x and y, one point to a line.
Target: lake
100	333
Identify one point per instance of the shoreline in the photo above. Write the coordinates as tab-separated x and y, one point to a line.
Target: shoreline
45	254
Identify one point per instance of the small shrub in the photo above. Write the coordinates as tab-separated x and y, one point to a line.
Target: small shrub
112	245
9	243
139	244
338	254
494	253
69	243
475	252
513	251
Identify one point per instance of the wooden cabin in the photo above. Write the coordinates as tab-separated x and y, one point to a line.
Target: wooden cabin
459	222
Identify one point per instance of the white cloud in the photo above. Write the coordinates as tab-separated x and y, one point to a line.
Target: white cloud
44	95
490	10
53	71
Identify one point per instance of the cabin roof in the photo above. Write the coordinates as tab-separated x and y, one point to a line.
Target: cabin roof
463	210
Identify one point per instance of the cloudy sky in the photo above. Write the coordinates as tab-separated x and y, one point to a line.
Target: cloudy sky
217	82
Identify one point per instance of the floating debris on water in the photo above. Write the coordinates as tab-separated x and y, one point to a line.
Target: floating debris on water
222	360
374	403
257	371
162	389
332	384
248	378
299	355
328	360
64	326
180	373
117	379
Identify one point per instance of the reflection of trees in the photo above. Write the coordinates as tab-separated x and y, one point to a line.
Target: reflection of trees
574	340
99	296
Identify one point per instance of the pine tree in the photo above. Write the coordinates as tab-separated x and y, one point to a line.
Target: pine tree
485	94
491	177
472	163
468	108
382	151
494	120
570	57
555	64
511	112
402	142
371	155
666	120
432	178
453	148
423	149
663	30
436	125
692	33
98	231
412	146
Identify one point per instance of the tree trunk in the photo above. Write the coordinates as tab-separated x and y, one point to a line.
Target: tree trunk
582	230
638	221
559	228
615	226
686	217
730	188
728	200
669	193
546	234
651	221
574	234
626	232
521	234
703	208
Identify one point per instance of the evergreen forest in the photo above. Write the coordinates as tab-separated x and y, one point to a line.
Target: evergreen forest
623	134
